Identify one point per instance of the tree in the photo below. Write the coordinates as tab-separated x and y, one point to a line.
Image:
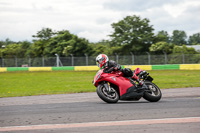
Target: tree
12	50
134	32
179	37
100	47
44	34
162	36
6	42
2	44
161	47
183	49
25	47
77	46
43	38
57	44
64	43
194	39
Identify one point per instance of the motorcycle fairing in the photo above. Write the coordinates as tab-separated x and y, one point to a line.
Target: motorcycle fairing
132	94
124	84
121	82
126	89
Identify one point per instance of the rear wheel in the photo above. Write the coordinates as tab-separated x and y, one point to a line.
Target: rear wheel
109	97
153	93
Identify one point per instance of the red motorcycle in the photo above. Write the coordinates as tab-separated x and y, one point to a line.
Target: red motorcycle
114	86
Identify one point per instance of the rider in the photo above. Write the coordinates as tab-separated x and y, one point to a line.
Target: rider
102	61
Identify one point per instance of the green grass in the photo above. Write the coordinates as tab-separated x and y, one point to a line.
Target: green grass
59	82
176	78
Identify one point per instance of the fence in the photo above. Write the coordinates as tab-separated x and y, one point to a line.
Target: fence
88	60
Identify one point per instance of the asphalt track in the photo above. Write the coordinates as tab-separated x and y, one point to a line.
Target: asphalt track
178	111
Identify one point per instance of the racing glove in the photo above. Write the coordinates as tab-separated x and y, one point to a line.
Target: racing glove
117	67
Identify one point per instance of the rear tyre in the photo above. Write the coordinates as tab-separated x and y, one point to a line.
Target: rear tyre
109	97
153	93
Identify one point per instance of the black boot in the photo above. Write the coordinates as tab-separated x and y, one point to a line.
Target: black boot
142	86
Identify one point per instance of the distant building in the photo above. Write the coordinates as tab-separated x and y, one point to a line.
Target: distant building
196	47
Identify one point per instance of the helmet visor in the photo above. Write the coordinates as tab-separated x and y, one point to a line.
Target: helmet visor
98	63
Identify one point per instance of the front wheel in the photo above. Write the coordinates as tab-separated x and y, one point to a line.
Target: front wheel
153	93
109	97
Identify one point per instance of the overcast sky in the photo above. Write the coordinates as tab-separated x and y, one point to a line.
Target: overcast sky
92	19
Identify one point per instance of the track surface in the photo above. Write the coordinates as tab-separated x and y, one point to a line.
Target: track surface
178	111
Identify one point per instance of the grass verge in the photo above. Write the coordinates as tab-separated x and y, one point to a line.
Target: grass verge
14	84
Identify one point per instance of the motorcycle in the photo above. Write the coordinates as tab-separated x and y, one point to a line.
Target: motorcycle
114	86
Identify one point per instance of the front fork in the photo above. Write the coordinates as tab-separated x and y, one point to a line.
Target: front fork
107	86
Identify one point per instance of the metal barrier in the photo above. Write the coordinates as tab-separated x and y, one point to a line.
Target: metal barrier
57	61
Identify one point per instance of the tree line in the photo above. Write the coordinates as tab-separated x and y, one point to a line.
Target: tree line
132	34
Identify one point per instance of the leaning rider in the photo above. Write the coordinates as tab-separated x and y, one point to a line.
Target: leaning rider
102	61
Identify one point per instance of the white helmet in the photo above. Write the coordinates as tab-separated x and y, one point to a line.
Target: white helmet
101	60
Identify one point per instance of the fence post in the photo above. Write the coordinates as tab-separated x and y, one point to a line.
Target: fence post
165	56
86	58
57	60
15	61
2	61
29	61
72	59
132	56
183	58
116	57
149	58
43	61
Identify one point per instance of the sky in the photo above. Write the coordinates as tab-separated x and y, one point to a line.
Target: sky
92	19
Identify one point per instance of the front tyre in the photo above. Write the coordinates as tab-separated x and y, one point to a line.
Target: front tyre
109	97
153	93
